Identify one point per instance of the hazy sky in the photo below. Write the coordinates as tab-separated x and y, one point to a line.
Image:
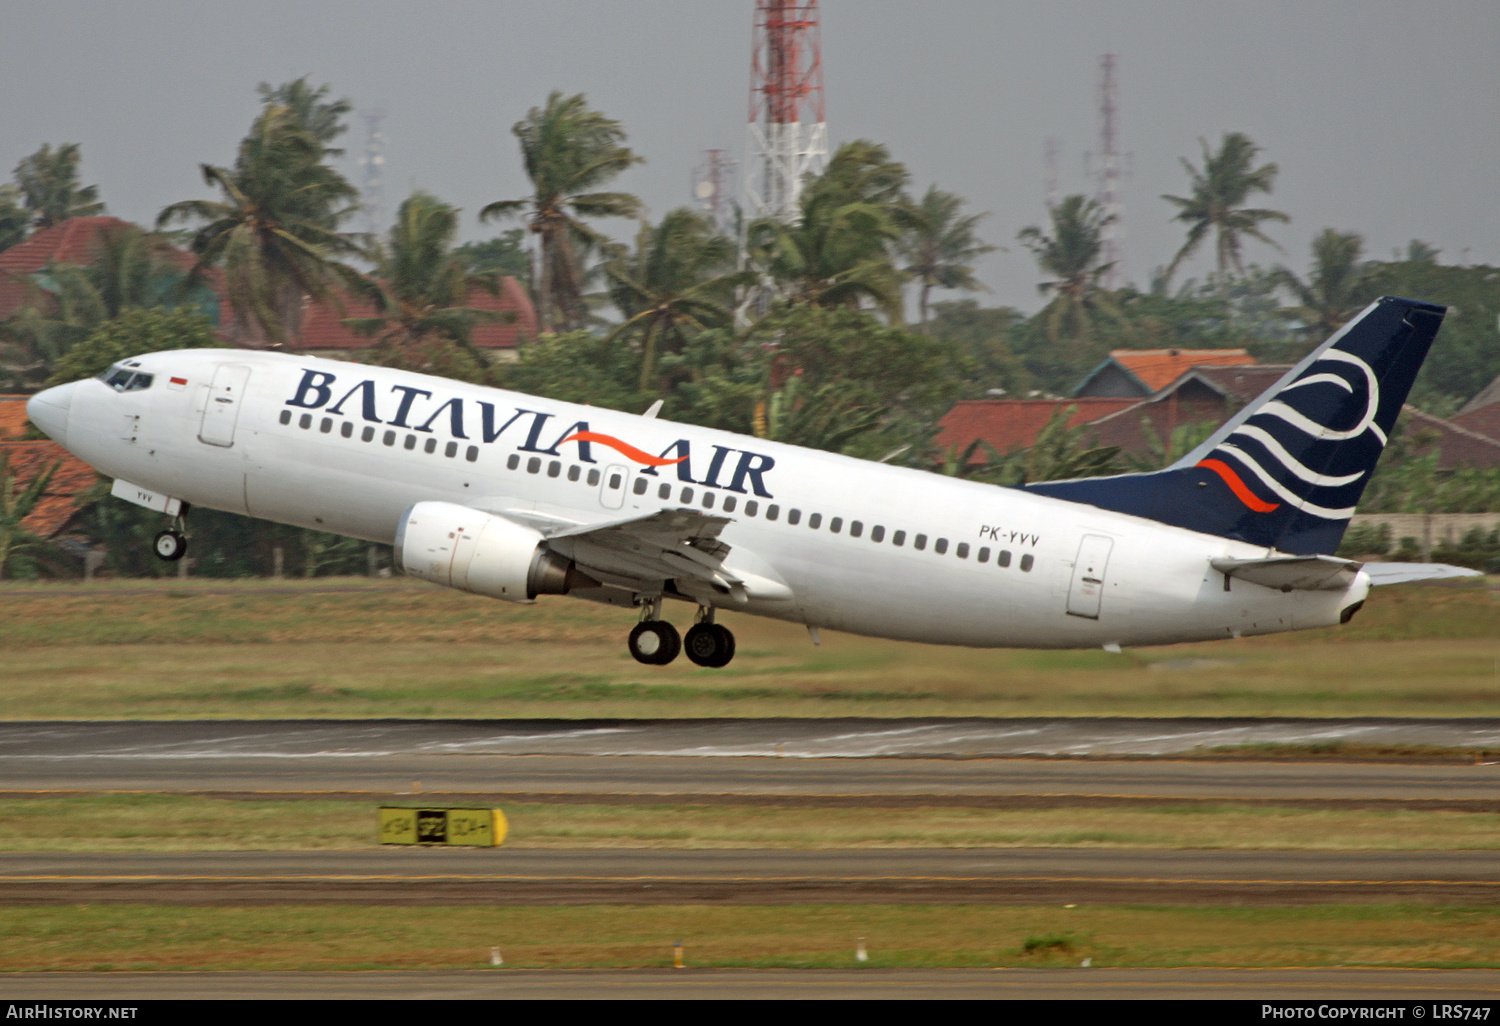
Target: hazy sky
1384	116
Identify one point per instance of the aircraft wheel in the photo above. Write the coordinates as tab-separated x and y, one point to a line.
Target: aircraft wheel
170	546
709	644
655	642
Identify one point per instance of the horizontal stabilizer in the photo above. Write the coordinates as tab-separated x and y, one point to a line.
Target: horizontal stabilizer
1292	573
1405	573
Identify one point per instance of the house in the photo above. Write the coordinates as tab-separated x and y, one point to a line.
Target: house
1481	414
59	502
1010	424
1138	373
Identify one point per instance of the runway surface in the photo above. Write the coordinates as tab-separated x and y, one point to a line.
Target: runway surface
436	758
914	984
837	738
623	876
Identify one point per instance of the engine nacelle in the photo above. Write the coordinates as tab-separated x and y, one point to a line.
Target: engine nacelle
464	548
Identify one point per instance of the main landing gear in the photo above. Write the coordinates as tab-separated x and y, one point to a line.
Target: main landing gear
656	642
171	545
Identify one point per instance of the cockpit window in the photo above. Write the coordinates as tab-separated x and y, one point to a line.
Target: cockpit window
123	379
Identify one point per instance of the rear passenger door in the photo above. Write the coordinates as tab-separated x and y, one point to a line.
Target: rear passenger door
1088	576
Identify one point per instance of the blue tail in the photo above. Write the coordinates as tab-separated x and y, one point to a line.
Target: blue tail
1288	469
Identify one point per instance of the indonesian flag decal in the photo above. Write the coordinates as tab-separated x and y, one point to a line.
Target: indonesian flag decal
178	383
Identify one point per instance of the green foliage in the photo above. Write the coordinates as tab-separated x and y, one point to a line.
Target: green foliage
985	335
423	285
504	255
275	230
569	152
15	219
1071	255
48	182
132	333
22	552
1407	480
317	115
1335	286
579	367
1060	453
940	246
1216	202
838	252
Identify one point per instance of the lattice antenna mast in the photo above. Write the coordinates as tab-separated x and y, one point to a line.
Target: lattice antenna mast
711	188
372	163
788	133
1110	200
1050	173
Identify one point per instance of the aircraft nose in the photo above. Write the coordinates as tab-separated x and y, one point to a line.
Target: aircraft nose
49	411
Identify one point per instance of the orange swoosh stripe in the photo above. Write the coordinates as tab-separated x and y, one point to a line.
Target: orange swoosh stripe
624	448
1237	486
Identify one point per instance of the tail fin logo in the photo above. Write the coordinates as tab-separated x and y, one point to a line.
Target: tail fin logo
1276	444
621	447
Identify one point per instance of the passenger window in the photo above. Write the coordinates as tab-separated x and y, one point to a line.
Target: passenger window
368	434
430	447
984	554
534	466
305	421
773	511
593	477
411	442
575	472
641	484
751	507
615	480
347	429
1027	562
919	542
708	500
664	492
940	546
471	453
554	468
686	497
794	517
729	504
815	521
836	525
899	538
326	426
390	438
877	533
962	552
450	450
856	528
286	416
1003	560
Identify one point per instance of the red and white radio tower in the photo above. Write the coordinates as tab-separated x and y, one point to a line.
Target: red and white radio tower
1113	235
788	136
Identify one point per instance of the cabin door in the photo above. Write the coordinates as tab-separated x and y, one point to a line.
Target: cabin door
612	488
225	397
1088	576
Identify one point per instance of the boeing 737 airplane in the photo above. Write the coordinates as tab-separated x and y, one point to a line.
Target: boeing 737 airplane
513	496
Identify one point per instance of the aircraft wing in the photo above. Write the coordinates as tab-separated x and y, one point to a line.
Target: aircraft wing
1292	573
682	545
1404	573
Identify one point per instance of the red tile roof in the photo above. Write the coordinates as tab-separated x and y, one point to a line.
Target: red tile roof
1158	368
12	416
1010	424
323	327
59	501
69	242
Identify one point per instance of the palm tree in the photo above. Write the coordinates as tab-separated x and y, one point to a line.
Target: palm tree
678	280
423	283
16	505
1071	255
15	219
1216	204
1334	287
276	228
569	152
321	117
838	251
940	246
48	180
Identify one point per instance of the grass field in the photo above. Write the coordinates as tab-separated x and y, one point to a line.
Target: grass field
151	822
297	649
135	937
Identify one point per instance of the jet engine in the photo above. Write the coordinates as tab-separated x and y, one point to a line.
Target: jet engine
463	548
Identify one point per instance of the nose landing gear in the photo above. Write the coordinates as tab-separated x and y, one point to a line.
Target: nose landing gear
171	545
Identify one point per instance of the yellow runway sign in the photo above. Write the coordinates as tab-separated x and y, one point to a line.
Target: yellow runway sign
481	828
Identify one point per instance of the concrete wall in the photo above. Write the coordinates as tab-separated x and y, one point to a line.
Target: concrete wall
1430	529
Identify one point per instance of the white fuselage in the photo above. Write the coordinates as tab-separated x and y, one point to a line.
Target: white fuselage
998	566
